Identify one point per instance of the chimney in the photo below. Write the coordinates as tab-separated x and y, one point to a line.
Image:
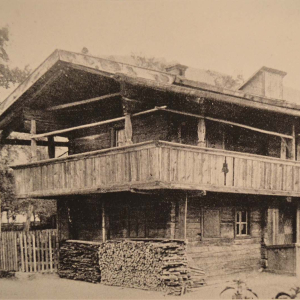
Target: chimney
265	82
177	69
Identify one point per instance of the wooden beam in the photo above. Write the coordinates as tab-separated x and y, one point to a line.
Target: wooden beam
33	141
298	240
21	142
103	222
30	80
62	131
185	216
82	102
4	134
293	144
51	147
226	122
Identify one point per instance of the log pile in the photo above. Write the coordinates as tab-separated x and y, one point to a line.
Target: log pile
79	261
148	264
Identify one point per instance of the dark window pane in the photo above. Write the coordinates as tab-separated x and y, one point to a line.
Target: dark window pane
244	216
237	229
237	216
243	229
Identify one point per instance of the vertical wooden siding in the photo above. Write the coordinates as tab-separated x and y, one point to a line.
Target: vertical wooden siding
228	170
166	162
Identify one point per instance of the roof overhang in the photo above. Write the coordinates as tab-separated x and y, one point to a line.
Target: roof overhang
136	76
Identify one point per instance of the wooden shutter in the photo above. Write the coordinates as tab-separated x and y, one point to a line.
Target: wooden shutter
211	223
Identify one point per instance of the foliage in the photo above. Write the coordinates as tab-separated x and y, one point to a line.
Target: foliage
9	75
240	291
226	81
149	62
41	208
10	155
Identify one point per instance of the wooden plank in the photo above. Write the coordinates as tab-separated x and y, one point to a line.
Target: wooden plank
33	252
82	102
46	250
166	164
189	167
133	166
213	169
38	249
1	253
249	179
289	179
21	251
204	164
230	174
33	141
102	173
25	252
29	239
50	253
181	166
197	167
103	222
16	252
42	252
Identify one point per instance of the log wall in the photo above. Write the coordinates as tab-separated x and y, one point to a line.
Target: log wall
225	253
145	128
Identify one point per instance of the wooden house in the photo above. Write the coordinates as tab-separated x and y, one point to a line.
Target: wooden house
154	155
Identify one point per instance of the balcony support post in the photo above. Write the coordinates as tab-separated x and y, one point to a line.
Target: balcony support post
128	129
33	141
283	148
201	133
297	245
293	150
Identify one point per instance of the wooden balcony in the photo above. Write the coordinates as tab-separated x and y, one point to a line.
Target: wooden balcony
158	165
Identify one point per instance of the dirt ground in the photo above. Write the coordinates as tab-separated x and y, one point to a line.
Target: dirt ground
50	286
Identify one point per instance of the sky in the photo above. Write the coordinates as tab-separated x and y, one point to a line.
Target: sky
232	37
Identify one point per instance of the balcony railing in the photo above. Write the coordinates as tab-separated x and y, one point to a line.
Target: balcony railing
158	165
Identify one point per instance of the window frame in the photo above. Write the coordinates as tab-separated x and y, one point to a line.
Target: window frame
240	222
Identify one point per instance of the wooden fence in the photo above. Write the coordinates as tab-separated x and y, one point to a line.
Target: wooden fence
34	251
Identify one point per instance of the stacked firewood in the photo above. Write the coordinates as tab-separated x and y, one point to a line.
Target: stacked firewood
151	265
79	261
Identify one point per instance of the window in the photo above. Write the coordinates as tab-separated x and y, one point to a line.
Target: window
241	223
120	137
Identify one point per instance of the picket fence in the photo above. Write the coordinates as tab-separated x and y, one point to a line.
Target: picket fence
34	251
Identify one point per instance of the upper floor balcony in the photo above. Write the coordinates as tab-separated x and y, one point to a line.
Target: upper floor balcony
158	165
